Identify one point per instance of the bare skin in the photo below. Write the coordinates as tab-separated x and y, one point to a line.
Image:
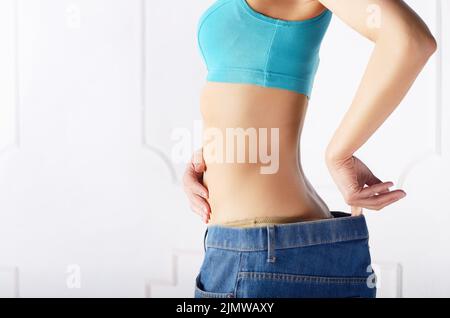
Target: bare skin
221	192
240	190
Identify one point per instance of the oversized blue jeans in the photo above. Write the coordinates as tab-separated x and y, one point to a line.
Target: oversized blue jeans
314	259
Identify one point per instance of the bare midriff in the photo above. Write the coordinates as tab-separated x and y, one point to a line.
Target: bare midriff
258	188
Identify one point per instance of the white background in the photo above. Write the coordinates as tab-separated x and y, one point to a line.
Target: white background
91	204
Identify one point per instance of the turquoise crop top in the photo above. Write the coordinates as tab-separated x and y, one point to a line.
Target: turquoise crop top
241	45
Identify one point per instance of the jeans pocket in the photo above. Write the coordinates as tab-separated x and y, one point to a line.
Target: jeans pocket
282	285
201	293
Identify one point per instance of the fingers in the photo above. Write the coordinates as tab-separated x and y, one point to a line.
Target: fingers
196	192
374	197
384	191
198	161
375	189
200	206
373	180
379	201
192	184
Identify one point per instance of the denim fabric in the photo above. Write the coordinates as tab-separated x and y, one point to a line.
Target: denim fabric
315	259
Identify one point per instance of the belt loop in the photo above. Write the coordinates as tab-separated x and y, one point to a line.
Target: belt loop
271	243
204	239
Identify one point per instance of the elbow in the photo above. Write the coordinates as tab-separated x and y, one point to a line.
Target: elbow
409	41
433	46
428	46
418	47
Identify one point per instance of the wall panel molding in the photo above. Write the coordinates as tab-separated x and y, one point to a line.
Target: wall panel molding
439	78
389	279
12	108
9	282
178	284
144	100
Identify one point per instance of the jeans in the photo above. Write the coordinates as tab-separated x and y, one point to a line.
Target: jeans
315	259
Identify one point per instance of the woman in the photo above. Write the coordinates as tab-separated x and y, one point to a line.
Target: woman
270	234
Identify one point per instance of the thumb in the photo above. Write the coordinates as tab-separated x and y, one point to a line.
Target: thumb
356	210
200	167
372	179
198	161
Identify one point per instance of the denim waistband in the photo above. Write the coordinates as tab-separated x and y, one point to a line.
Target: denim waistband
343	227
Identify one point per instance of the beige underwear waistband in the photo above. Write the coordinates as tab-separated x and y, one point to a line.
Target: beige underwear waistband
263	221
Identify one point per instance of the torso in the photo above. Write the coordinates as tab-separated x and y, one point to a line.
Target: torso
239	190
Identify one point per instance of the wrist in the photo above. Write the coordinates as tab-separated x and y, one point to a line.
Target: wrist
334	155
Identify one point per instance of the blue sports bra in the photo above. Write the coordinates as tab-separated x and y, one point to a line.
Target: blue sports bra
241	45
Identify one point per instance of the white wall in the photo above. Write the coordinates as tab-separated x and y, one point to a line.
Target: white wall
91	92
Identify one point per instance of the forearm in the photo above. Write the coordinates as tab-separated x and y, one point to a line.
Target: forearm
392	69
403	45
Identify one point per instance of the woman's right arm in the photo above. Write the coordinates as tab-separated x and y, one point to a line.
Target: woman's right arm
196	192
403	45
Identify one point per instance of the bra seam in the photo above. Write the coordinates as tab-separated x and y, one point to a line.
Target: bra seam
269	51
213	11
264	72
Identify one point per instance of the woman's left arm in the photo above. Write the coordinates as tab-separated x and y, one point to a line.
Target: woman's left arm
403	45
